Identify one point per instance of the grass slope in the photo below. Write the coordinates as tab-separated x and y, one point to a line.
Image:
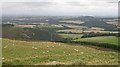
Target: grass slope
49	53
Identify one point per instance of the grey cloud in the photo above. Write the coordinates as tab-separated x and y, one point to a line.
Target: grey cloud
26	4
58	8
76	4
36	4
112	2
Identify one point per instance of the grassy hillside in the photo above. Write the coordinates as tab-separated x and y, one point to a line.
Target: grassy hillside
14	32
50	53
101	39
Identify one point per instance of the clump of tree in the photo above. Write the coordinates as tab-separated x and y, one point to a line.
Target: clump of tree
69	39
8	25
92	34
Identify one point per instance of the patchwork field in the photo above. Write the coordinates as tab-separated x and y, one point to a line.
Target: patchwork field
17	52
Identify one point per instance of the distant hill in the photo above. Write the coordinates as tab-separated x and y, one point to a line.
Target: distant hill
100	24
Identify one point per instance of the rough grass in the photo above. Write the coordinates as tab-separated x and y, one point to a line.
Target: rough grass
50	53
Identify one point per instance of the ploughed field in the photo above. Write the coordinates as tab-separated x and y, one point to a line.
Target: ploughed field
51	53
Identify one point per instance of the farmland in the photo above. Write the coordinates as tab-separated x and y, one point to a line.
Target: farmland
50	53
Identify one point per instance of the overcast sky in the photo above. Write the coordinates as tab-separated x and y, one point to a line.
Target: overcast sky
60	7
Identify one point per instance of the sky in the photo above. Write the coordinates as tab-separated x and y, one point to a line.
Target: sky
60	7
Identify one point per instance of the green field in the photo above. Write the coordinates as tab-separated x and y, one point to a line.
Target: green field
71	35
17	52
101	39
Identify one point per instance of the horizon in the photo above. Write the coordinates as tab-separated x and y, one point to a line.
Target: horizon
57	16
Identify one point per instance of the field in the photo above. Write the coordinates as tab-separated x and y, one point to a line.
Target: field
74	26
71	35
17	52
71	21
101	39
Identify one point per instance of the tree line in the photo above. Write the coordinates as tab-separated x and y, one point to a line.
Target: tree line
92	34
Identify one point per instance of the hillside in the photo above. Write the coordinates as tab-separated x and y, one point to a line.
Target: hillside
51	53
15	32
